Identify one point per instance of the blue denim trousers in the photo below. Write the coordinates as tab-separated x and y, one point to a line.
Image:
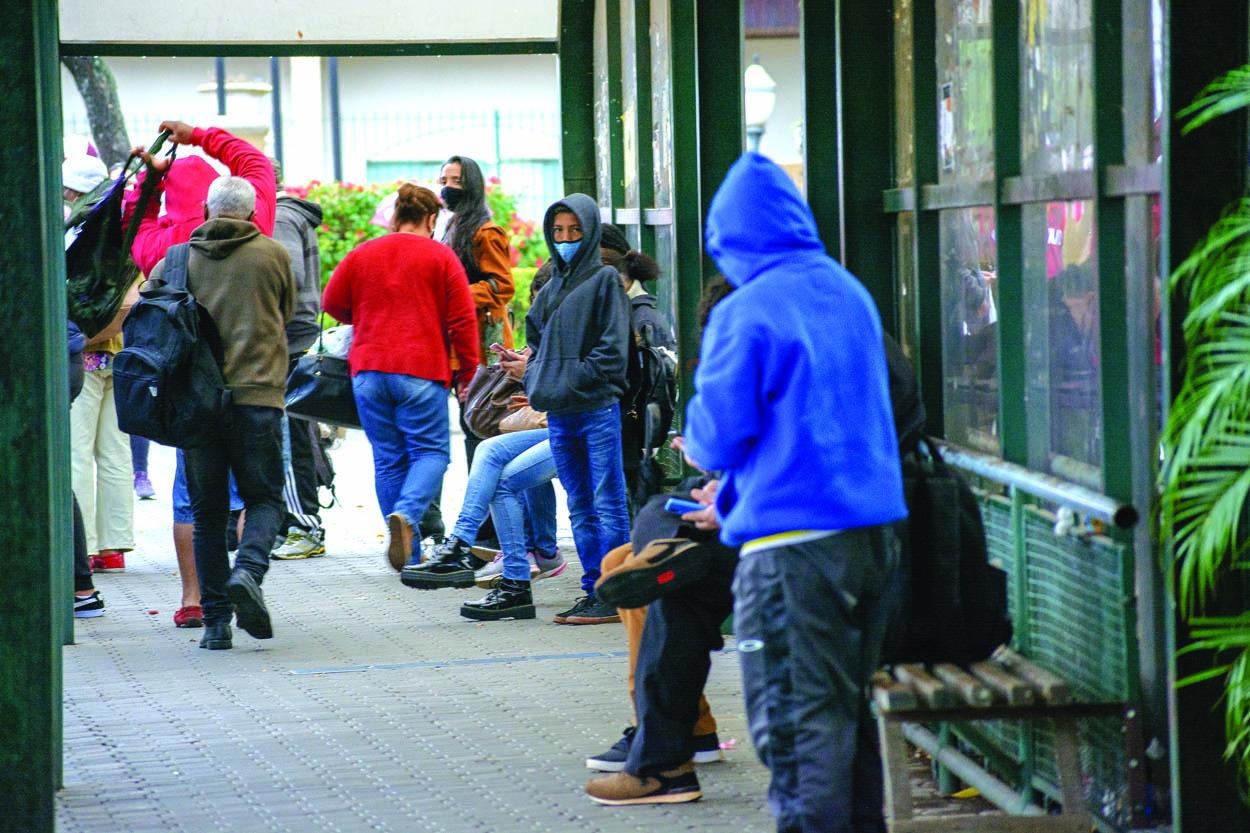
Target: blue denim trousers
405	419
522	460
810	620
587	451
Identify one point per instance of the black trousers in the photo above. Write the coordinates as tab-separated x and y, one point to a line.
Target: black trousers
302	501
673	664
82	568
250	446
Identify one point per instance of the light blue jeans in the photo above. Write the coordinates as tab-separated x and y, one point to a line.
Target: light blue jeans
405	419
514	473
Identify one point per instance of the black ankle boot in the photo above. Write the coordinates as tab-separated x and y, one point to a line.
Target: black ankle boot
217	637
510	600
452	565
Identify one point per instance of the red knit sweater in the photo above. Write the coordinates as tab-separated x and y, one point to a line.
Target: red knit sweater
408	300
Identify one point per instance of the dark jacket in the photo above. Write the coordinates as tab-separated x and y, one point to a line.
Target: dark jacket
793	396
578	325
295	227
649	324
243	280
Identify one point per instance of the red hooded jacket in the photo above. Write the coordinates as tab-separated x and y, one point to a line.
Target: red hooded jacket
185	186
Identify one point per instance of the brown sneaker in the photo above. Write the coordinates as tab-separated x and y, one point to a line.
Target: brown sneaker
672	787
589	611
661	567
399	548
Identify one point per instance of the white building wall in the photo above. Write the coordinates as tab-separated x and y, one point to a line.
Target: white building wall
782	57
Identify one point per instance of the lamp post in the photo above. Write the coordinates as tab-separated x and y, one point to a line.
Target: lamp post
760	98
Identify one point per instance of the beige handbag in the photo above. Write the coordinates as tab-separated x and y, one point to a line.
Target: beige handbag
522	417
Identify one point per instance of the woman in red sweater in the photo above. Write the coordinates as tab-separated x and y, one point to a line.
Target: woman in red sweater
408	300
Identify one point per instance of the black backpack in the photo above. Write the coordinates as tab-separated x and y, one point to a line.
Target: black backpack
955	606
167	382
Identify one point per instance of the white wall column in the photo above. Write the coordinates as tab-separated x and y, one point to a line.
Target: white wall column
304	114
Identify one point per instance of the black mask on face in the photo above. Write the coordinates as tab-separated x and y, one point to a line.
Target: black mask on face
451	196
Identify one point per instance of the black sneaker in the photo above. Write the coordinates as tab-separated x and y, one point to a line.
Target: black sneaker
510	600
88	607
591	611
672	787
707	749
453	565
614	759
249	605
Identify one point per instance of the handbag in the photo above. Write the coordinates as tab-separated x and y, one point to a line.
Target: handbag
523	418
488	399
320	388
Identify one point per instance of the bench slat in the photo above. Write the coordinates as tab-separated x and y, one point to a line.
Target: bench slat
970	689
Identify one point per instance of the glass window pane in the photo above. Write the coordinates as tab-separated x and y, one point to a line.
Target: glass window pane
965	91
603	133
629	107
970	327
904	98
1061	341
1056	96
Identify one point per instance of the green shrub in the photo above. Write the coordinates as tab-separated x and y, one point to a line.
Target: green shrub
522	276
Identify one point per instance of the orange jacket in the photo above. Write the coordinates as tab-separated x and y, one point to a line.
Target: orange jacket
492	293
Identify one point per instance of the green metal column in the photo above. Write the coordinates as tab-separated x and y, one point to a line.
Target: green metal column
722	133
865	62
34	417
577	96
1012	416
643	120
928	245
687	206
1203	173
822	173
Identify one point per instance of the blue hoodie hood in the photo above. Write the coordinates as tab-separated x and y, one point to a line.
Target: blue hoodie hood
757	219
793	399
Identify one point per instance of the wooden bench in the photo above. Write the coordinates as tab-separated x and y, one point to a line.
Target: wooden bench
1007	687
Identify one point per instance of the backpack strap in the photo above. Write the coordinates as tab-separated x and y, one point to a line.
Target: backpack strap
175	272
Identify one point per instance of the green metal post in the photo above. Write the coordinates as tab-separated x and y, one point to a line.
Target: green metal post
721	129
34	412
1203	173
928	247
1012	414
818	28
577	96
616	93
687	208
866	157
643	124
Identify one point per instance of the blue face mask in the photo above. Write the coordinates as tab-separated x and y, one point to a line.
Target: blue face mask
567	250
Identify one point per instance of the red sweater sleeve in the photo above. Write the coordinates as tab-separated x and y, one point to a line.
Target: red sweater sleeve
461	315
336	301
151	241
244	160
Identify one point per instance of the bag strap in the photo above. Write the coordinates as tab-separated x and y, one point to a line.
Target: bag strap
175	273
145	191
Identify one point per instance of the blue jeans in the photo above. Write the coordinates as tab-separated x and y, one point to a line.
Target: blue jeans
587	450
492	461
405	419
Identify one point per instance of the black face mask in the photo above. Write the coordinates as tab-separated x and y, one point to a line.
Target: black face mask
451	196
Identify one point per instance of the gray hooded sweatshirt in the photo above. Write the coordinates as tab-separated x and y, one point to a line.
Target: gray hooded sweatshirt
578	325
295	227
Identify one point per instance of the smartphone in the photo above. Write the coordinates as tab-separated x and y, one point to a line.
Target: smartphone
680	507
498	348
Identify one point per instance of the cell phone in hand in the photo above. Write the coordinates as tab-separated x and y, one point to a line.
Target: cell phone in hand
498	348
680	507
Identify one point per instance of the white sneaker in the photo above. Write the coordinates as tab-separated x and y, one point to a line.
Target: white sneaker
299	544
486	577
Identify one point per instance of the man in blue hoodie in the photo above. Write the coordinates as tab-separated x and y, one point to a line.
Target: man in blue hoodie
793	408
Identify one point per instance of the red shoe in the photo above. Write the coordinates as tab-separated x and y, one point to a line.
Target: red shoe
191	616
110	561
93	562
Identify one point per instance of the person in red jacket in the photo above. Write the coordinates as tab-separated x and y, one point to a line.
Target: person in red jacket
408	300
185	185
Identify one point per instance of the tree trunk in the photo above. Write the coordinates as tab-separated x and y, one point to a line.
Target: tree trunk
104	110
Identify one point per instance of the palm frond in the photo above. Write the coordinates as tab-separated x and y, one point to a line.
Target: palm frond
1224	95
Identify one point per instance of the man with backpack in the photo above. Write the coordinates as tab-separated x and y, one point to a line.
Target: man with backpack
242	280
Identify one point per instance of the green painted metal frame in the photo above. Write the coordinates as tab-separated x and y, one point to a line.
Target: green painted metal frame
722	131
645	116
34	420
866	161
687	208
1012	416
577	96
927	255
439	49
822	170
616	129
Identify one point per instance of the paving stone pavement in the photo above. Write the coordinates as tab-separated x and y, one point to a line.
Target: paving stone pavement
374	708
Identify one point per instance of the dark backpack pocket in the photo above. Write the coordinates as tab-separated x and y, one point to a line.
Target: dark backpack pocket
142	394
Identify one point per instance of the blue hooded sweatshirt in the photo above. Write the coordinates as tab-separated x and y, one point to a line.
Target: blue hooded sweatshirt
793	402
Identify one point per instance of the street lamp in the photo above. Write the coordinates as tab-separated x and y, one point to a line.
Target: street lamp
760	98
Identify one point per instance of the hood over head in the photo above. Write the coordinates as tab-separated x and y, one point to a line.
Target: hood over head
186	189
307	209
588	257
757	219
